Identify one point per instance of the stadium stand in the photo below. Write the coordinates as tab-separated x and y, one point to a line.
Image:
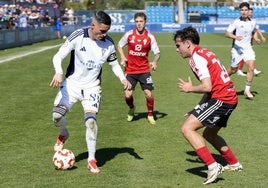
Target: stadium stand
167	14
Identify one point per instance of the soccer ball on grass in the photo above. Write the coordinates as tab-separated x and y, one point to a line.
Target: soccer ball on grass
63	159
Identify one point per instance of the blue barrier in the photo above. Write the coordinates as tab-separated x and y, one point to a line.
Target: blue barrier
14	38
172	27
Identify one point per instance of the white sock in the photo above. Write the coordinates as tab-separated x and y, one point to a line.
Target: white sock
248	85
91	144
212	166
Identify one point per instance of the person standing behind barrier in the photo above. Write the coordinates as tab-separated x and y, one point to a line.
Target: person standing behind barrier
240	31
215	107
139	42
23	20
58	27
90	48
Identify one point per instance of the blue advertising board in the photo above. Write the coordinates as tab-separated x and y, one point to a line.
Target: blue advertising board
167	27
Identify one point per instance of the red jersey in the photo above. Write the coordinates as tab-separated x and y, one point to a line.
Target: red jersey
138	50
204	64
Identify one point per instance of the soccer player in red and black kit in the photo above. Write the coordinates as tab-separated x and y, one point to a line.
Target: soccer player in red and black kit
139	42
215	107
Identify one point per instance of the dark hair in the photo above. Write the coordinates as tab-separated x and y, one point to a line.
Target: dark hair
102	17
140	14
244	4
188	33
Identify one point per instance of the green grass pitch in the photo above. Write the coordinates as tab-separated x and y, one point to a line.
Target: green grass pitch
130	154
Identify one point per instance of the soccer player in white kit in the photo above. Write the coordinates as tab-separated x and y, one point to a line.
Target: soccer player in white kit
241	32
90	48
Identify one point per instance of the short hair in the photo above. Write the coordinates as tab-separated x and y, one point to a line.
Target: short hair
102	17
140	14
244	4
188	33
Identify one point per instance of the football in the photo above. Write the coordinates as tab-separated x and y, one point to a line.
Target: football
63	159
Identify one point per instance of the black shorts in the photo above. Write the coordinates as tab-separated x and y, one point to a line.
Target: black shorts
145	80
214	112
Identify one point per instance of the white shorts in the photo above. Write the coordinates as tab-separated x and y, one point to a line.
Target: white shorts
69	94
245	54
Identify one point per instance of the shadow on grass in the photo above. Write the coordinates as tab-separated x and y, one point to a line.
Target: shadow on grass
141	115
107	154
201	171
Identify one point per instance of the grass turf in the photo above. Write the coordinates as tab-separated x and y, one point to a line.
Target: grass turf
129	154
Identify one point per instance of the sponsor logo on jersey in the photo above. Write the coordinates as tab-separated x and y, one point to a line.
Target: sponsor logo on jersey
83	49
131	52
91	65
137	51
138	47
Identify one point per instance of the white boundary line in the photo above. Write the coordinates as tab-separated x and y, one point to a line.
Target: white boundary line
4	60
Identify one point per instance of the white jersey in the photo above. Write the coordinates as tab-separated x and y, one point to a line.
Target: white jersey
87	59
244	29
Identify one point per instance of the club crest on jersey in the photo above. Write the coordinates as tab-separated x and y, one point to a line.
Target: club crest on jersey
144	41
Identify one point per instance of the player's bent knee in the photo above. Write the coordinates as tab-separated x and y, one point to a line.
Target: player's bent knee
91	124
58	113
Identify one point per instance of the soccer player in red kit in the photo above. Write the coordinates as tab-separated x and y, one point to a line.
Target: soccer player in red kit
213	111
139	42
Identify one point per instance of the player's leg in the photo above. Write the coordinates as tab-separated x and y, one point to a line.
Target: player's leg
218	142
91	139
240	68
189	131
62	104
59	120
147	86
130	102
91	102
249	58
236	58
205	115
150	106
249	78
129	97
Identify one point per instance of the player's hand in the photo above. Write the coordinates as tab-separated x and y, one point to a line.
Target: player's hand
153	65
185	86
57	80
263	39
126	84
238	38
123	62
258	41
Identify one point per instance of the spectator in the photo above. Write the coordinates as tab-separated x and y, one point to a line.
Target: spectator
23	20
58	27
